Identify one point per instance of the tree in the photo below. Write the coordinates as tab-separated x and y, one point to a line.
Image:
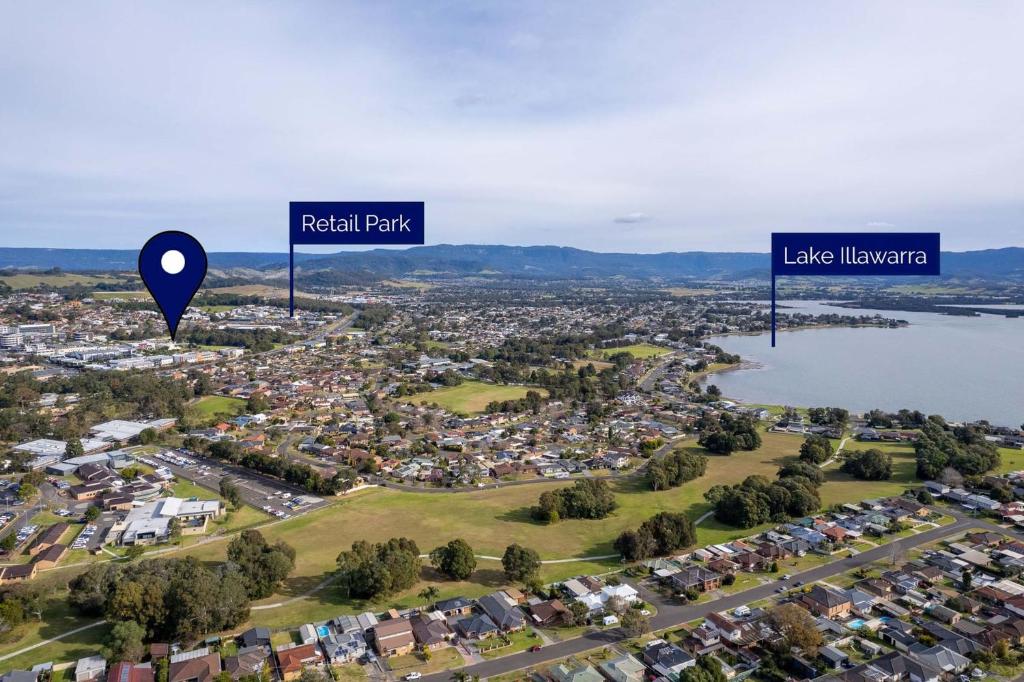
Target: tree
134	552
74	448
966	579
229	491
454	560
924	497
257	403
148	436
429	594
634	546
798	626
9	542
263	566
369	571
816	449
588	498
125	642
27	491
675	468
580	613
312	675
869	465
634	623
92	513
520	563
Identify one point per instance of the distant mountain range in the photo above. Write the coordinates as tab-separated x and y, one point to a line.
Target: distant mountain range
535	262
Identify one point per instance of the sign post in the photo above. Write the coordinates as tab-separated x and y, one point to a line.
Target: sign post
382	223
853	254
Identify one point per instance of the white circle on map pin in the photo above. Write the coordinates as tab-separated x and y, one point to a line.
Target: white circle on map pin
172	262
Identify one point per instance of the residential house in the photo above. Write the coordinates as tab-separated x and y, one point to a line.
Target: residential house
477	626
430	630
824	601
130	672
90	668
503	611
695	577
249	660
667	660
549	613
624	669
292	660
194	666
452	608
257	636
581	673
394	637
343	647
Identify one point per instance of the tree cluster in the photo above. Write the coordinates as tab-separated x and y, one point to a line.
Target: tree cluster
588	498
816	449
264	565
758	500
828	416
963	448
869	465
455	560
368	571
728	433
296	473
675	469
663	533
171	599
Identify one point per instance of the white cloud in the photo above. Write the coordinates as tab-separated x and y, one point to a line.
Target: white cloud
529	123
637	217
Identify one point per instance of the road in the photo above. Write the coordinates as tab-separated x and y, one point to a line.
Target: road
673	615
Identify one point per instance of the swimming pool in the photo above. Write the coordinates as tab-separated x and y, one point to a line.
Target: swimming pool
322	630
856	624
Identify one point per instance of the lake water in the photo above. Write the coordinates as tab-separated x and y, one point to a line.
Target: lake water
963	368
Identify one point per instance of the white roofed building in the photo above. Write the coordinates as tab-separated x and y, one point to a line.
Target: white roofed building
151	522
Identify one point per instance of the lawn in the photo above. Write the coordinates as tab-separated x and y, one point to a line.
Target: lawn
213	406
64	279
473	396
1012	459
637	350
840	487
442	659
489	520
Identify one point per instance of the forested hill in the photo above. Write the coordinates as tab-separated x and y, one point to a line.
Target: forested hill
536	262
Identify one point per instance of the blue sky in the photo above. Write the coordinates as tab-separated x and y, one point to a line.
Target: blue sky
608	126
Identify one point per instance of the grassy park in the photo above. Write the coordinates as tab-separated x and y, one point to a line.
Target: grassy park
471	397
488	519
212	406
637	350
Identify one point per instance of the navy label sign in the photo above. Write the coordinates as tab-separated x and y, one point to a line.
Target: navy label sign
381	223
853	254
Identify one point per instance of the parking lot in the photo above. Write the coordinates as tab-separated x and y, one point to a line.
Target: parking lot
272	496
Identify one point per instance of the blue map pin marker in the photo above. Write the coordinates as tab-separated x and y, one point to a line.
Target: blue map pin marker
173	266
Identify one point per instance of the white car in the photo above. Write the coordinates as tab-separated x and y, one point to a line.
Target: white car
414	676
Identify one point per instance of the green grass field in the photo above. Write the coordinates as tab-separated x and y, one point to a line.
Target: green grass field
471	397
637	350
65	279
219	406
488	520
1011	459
